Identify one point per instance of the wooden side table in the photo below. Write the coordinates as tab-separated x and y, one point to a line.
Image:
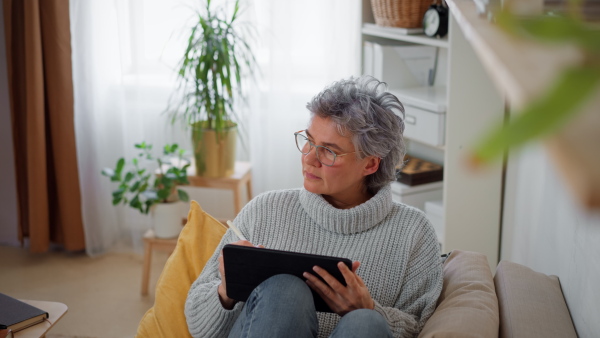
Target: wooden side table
242	175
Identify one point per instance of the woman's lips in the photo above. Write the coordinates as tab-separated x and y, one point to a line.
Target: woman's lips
311	176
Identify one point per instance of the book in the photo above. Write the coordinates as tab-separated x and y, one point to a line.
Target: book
17	315
418	171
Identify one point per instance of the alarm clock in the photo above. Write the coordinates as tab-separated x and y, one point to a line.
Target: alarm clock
435	21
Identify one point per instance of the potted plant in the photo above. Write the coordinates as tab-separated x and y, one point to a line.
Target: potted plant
153	192
210	84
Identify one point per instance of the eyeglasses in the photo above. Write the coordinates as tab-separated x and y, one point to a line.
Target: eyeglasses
325	155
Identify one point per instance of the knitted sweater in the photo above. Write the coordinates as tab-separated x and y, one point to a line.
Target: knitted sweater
395	243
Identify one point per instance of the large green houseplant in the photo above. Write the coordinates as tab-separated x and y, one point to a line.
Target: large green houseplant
151	189
210	84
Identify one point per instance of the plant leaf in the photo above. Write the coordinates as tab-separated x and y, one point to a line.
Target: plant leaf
163	194
120	165
108	172
129	176
183	195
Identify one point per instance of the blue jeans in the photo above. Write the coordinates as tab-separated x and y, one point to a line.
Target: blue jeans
282	306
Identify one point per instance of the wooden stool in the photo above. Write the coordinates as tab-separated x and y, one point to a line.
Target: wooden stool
151	242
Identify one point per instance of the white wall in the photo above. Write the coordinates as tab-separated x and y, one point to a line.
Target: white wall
8	189
545	229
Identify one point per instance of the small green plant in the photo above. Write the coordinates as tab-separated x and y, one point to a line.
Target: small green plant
138	189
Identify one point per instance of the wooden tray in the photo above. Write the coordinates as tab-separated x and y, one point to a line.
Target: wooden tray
418	171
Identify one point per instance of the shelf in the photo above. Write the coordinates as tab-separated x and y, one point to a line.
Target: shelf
396	34
430	98
409	139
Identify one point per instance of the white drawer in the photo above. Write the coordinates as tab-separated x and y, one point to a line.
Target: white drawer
424	125
417	195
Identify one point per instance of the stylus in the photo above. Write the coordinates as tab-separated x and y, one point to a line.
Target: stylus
236	230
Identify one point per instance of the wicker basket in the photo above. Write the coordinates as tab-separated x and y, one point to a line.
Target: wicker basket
400	13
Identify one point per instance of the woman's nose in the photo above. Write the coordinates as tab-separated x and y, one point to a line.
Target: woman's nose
311	157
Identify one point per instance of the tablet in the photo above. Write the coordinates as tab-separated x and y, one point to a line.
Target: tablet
246	267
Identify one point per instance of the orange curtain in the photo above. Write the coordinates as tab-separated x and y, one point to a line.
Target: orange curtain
38	42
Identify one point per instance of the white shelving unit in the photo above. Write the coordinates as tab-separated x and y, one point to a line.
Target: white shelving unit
444	117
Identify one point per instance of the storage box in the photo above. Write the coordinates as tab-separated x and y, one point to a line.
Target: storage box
425	113
417	195
424	125
435	213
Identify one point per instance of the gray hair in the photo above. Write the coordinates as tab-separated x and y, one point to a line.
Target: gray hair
373	117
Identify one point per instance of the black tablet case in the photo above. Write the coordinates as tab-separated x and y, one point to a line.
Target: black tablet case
246	267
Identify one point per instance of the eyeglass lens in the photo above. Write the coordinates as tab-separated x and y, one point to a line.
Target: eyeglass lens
324	155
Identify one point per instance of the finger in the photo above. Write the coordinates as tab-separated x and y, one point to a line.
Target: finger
318	285
329	279
322	290
349	276
221	267
355	266
242	242
315	281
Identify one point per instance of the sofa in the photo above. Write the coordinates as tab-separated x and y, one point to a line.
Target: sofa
515	301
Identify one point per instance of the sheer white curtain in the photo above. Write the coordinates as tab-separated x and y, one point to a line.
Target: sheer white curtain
124	55
303	46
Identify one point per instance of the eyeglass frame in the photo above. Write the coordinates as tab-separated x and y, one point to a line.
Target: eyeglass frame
312	145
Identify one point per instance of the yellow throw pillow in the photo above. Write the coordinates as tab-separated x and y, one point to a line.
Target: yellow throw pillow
196	244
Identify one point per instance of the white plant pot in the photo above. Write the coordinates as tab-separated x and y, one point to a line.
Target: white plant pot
166	219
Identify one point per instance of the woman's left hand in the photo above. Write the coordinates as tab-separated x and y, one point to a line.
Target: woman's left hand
341	299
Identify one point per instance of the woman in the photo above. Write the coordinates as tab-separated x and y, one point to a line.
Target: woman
350	151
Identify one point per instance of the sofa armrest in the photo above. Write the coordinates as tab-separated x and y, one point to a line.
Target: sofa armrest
531	303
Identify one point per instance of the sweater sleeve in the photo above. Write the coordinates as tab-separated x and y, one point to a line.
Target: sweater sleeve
204	313
421	286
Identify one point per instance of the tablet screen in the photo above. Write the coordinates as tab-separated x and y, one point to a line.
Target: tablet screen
246	267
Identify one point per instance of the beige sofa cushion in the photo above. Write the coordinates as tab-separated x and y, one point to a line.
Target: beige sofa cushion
531	303
468	306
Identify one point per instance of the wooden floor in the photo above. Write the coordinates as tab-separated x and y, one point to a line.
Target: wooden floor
102	293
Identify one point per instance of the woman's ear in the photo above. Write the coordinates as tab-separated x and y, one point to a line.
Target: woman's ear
371	165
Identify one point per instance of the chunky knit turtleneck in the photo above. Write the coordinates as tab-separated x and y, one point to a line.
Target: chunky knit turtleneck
395	244
347	221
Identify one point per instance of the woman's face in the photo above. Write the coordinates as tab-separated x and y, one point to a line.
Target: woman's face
342	184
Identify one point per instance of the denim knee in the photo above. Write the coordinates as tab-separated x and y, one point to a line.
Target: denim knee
278	306
286	289
362	323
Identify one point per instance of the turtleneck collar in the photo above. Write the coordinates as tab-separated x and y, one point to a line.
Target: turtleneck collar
347	221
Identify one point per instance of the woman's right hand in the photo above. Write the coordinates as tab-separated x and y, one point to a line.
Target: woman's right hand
227	302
